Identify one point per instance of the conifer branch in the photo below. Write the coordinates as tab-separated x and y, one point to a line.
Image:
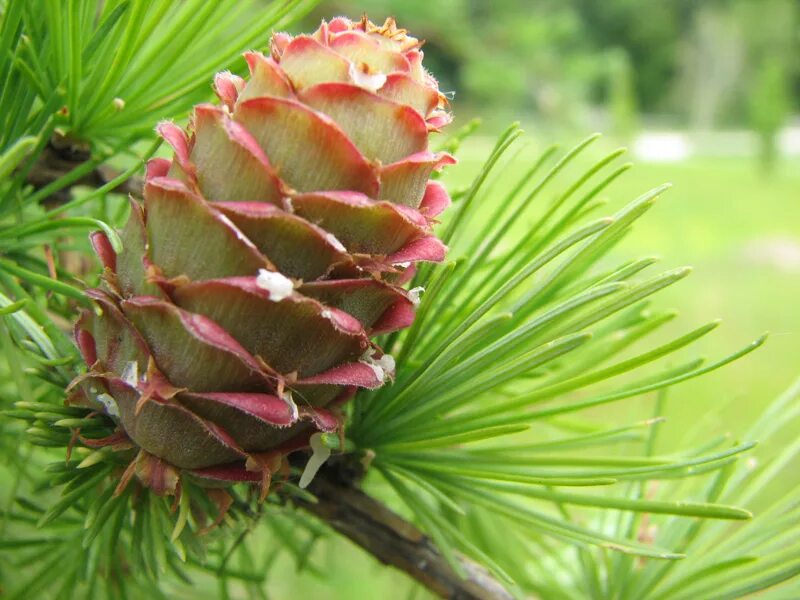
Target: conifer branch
394	541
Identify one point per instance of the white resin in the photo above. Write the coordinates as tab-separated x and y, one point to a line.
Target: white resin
383	367
109	403
131	373
369	81
320	453
334	241
278	285
414	294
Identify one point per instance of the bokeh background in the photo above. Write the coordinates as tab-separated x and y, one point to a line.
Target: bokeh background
705	95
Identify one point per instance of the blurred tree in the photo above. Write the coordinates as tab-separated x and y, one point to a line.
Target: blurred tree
622	100
769	107
712	60
650	32
773	50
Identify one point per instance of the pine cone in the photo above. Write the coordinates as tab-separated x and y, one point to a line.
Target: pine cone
265	255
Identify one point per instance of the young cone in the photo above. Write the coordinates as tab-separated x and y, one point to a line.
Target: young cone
264	257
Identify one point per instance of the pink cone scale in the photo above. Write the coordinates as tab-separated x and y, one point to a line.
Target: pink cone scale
265	256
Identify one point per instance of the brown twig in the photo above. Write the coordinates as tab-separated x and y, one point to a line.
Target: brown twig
57	161
396	542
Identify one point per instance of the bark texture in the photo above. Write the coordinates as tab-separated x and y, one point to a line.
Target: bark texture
396	542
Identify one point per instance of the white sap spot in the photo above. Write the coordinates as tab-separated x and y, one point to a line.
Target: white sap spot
131	373
383	367
334	241
414	295
109	403
363	78
387	363
379	374
403	265
287	205
279	286
320	453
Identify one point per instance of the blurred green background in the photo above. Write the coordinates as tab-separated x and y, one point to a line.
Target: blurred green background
705	95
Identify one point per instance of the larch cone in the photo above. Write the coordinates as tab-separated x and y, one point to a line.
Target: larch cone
265	256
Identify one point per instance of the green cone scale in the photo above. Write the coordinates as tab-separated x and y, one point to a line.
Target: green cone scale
265	256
